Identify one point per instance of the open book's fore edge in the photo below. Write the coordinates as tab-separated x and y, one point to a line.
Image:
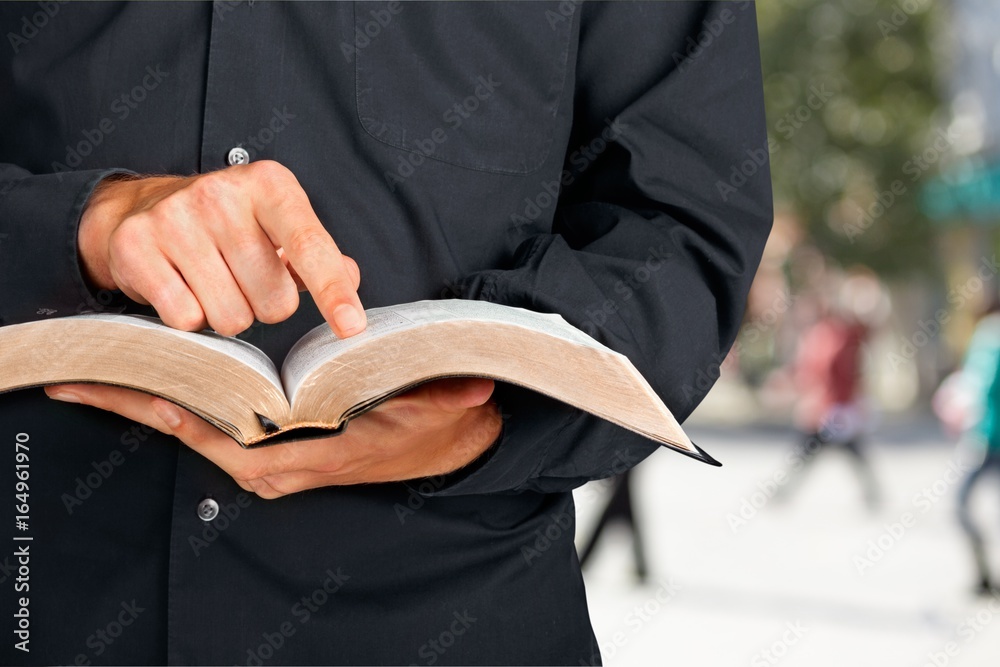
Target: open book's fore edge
681	444
698	453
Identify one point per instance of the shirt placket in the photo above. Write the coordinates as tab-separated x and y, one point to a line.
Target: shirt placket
201	488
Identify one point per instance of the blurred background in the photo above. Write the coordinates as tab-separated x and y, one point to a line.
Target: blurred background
856	519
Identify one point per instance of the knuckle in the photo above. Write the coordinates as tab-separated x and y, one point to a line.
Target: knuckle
270	172
245	244
307	239
167	302
169	211
207	189
176	309
276	486
128	242
335	289
245	473
252	472
125	255
210	204
279	306
232	323
264	490
353	271
185	319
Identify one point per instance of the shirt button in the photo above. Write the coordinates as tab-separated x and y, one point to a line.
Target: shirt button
208	509
238	155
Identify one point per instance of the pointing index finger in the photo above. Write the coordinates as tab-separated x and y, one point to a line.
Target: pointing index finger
283	211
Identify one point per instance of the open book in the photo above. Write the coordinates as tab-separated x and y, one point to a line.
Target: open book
325	381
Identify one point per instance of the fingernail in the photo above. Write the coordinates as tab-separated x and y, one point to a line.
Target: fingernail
349	319
170	415
63	395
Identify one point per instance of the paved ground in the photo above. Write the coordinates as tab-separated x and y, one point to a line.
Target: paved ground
787	586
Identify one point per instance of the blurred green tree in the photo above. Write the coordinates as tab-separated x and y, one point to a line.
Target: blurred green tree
855	125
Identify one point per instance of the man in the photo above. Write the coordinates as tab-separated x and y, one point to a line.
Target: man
604	162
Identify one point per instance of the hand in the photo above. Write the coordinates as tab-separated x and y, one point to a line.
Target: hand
434	429
218	249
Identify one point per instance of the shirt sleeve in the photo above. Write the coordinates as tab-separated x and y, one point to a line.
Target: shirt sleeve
39	271
663	212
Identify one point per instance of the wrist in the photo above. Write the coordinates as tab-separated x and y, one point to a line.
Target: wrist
107	206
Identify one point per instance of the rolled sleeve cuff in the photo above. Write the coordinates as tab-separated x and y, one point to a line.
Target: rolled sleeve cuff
41	273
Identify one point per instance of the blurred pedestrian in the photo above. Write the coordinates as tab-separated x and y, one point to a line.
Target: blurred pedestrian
619	509
828	376
970	401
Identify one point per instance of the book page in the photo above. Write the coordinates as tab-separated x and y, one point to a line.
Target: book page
239	350
547	323
405	345
320	344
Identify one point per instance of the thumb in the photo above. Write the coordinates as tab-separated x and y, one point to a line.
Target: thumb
458	394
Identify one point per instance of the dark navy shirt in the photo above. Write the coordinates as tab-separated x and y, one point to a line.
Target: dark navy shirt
602	161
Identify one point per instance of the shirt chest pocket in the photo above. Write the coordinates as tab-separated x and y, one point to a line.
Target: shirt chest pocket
473	84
